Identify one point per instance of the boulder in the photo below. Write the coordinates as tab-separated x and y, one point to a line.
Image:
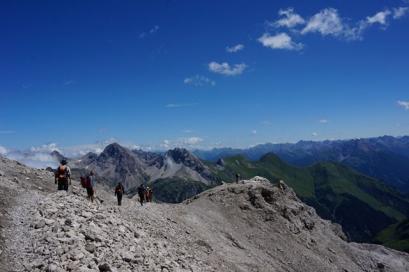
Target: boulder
104	268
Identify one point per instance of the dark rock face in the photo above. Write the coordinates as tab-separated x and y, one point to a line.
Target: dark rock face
115	164
183	156
151	158
89	157
115	151
57	156
174	190
220	162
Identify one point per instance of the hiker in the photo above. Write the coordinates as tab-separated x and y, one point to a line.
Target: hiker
63	176
282	185
237	178
119	191
141	193
90	186
148	194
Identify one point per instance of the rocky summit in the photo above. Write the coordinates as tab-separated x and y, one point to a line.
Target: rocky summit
251	226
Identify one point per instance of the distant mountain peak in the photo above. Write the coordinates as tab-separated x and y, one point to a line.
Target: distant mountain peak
114	146
57	155
182	155
115	150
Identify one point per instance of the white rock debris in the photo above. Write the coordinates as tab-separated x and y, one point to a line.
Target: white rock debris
251	226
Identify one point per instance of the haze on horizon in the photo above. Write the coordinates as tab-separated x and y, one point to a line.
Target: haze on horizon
160	74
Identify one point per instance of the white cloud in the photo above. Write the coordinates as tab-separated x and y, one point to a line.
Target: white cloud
279	41
254	132
165	144
315	134
400	12
235	48
192	140
3	150
325	22
187	142
151	31
46	148
403	104
289	19
380	17
227	69
81	150
199	81
179	105
154	29
39	156
323	121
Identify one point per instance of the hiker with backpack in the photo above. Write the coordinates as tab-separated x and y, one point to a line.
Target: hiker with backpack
237	177
91	186
141	193
63	176
148	194
88	183
119	191
282	185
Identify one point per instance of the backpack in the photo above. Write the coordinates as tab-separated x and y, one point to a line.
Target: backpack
119	189
141	190
62	172
85	182
88	182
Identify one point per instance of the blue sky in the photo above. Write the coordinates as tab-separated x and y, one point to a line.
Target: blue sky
201	73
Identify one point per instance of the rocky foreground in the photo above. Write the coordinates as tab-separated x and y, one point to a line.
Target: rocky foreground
252	226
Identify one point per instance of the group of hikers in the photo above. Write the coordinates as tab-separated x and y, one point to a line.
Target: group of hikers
145	194
63	180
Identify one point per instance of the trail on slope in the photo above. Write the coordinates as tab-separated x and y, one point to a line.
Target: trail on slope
234	227
65	232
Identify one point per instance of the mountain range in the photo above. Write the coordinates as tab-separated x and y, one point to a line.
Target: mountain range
134	167
367	209
251	226
385	158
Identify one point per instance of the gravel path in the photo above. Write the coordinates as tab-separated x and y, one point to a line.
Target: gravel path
18	237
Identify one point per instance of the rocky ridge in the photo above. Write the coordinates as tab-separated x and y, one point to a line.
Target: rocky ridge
252	226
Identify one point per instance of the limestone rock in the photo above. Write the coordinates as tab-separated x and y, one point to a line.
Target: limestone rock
252	226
